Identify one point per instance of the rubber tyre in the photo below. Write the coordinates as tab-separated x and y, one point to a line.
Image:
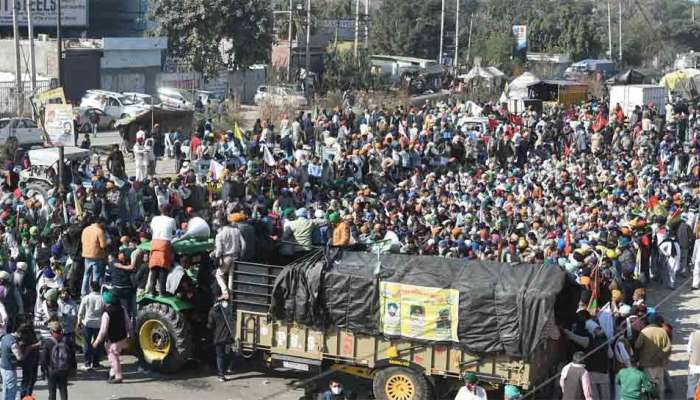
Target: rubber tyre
179	332
383	380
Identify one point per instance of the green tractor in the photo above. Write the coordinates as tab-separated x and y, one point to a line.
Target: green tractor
170	329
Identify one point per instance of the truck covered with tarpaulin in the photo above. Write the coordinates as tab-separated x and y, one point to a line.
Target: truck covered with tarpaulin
415	319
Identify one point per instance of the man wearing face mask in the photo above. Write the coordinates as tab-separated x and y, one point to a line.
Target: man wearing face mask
335	392
470	390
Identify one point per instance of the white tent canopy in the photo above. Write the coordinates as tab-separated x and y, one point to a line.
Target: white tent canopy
518	87
488	73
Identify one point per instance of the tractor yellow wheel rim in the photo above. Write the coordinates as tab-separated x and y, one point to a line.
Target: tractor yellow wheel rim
399	387
154	340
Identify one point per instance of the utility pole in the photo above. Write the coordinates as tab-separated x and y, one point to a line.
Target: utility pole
289	61
442	29
610	50
308	35
357	27
366	24
619	3
456	62
59	45
19	99
469	40
32	60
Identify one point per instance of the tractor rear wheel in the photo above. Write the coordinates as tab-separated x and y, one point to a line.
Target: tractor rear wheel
165	338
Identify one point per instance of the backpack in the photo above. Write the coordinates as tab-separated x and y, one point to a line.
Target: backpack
60	362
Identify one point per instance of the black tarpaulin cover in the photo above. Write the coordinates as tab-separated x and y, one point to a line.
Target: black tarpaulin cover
502	308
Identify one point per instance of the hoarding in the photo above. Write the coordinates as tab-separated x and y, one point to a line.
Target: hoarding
45	12
58	121
520	33
418	312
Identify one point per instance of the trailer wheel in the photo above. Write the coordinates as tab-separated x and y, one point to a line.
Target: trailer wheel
399	383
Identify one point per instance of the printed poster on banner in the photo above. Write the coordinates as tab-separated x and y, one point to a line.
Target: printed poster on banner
58	121
418	312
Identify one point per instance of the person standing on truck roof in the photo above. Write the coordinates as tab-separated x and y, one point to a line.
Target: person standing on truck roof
470	390
575	381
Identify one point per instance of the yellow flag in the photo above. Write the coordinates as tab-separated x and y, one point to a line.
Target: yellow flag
237	132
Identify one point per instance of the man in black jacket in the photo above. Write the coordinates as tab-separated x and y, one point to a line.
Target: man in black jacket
220	322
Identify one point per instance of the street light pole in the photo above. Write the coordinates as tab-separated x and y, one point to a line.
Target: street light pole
308	35
456	62
32	60
469	39
59	44
610	50
620	29
289	61
366	24
357	27
19	98
442	29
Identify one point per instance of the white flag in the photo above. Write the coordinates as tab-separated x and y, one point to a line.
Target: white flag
216	169
267	156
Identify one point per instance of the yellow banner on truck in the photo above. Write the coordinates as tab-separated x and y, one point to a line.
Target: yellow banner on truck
418	312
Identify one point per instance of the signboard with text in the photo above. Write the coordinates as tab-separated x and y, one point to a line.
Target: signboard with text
45	12
520	33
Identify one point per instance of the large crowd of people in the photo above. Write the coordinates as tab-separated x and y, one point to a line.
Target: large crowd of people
612	198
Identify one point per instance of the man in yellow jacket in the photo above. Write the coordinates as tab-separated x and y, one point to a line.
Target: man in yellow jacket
341	232
654	348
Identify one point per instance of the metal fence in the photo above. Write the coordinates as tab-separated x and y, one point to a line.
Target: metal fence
8	98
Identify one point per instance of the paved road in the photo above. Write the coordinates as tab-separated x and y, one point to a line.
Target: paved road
682	311
196	382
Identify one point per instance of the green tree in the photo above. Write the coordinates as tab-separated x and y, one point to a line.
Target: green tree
212	34
407	28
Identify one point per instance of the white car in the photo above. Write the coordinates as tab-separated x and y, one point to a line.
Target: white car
25	130
279	95
115	105
175	98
